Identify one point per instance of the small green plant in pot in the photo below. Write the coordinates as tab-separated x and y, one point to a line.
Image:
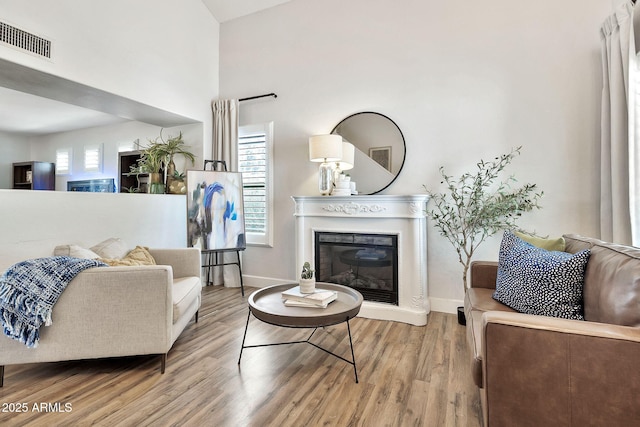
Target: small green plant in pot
307	282
476	206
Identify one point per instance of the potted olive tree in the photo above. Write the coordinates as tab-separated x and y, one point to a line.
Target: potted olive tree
476	206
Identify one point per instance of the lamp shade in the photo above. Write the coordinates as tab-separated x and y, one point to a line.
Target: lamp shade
348	155
325	148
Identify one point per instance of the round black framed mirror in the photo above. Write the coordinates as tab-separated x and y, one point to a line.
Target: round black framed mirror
380	150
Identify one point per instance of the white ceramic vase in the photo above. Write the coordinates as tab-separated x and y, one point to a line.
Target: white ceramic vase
307	286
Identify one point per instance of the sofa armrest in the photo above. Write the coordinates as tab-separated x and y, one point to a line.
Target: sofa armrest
484	274
548	371
554	324
185	262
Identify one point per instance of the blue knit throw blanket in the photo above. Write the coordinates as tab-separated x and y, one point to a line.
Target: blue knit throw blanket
28	291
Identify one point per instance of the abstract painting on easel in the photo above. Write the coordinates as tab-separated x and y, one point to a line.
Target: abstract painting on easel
215	210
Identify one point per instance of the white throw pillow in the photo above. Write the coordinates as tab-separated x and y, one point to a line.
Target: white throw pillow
74	251
113	248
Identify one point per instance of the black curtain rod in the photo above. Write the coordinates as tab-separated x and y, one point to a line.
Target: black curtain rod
258	96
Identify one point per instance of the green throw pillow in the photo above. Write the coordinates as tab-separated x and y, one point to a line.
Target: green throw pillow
548	244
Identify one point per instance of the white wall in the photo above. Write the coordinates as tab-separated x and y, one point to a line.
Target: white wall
13	148
164	54
464	81
35	222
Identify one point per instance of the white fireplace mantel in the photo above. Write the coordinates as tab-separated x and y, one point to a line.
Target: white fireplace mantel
385	214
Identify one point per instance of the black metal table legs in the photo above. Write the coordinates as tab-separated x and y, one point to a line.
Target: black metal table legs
307	341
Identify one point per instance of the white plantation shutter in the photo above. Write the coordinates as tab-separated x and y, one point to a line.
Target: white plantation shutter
63	161
253	165
254	161
93	158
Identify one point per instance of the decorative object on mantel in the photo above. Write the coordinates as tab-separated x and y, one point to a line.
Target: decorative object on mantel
307	282
342	186
476	207
325	149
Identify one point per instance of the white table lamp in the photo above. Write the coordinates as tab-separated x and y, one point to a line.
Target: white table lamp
348	155
325	149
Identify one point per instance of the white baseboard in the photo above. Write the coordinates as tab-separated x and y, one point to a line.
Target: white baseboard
443	305
263	282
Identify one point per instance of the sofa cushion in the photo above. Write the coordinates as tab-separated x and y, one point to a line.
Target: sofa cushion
548	244
113	248
476	302
612	285
184	292
75	251
575	243
536	281
137	256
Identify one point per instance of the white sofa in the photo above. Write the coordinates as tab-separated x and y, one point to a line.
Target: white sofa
118	311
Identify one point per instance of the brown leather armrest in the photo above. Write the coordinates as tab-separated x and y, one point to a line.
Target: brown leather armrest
568	372
554	324
483	274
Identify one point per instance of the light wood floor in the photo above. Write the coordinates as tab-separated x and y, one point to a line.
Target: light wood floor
409	376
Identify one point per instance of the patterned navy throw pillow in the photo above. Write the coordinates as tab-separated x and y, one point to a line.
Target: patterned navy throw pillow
536	281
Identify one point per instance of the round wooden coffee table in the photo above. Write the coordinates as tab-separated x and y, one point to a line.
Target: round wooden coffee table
266	304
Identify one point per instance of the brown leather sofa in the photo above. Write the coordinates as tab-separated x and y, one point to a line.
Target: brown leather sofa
545	371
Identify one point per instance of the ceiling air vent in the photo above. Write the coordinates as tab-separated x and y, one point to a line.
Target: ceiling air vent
23	40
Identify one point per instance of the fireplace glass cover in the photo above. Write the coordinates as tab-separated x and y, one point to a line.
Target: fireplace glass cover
366	262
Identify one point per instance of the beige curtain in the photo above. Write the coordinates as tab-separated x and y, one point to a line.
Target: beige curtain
225	132
615	189
225	147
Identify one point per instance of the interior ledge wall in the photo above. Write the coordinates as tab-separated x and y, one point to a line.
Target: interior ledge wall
35	222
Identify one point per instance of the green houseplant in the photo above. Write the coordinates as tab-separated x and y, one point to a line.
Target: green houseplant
170	148
158	155
152	161
476	206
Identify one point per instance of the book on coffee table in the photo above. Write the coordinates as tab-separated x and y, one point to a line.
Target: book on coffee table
320	298
293	303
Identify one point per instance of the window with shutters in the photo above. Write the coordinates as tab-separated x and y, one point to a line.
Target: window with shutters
93	158
63	161
255	161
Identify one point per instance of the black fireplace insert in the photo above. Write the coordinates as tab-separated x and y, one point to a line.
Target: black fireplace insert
365	262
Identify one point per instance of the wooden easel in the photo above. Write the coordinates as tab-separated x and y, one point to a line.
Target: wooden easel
211	257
